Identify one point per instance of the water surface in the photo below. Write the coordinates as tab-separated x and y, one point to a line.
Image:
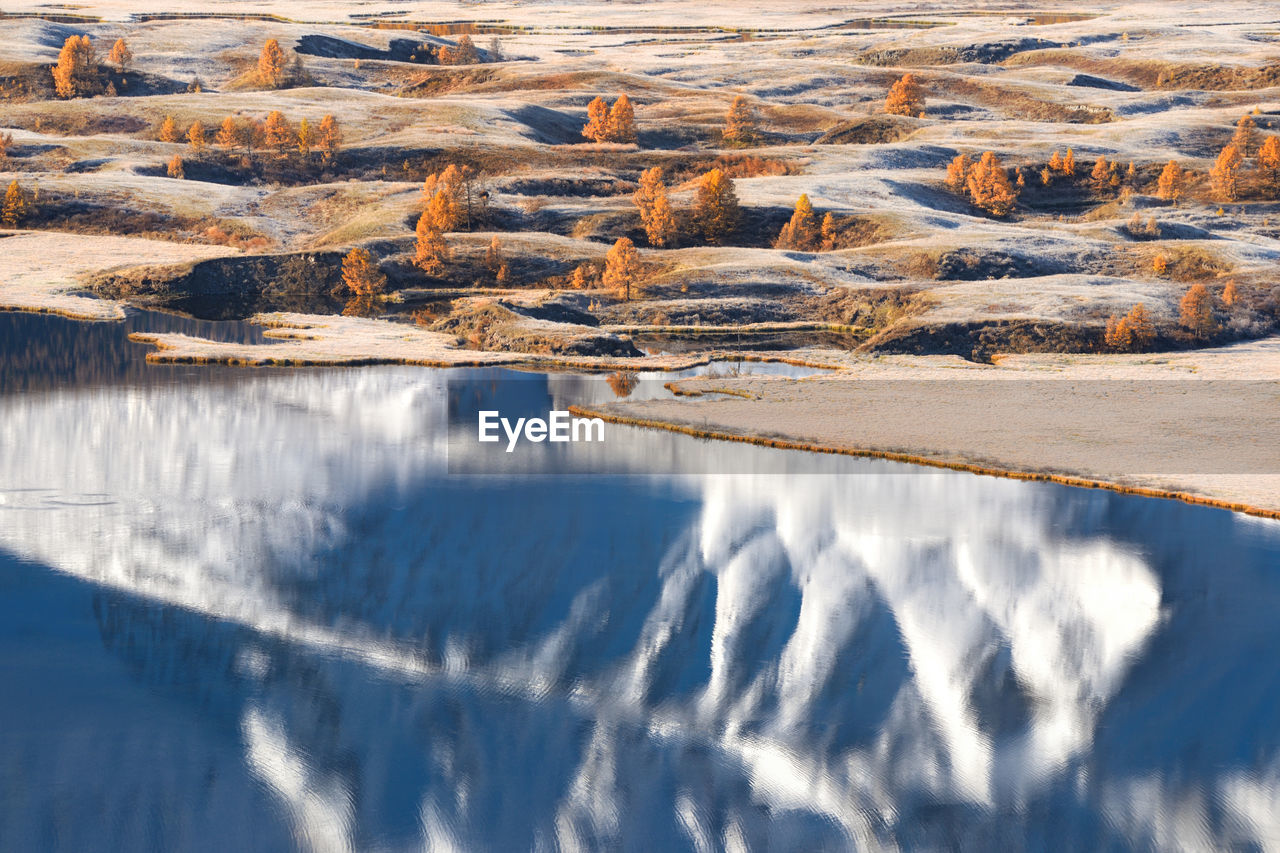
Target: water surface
258	610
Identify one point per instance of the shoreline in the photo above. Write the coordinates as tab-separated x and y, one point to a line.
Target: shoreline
930	462
815	414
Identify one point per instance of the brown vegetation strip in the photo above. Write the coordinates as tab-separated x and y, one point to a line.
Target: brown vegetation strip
914	459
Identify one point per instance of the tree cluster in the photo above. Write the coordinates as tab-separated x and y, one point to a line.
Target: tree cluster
275	134
985	183
448	202
1131	333
715	213
77	74
656	213
804	233
606	123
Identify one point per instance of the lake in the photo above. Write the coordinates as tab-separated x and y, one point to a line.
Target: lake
252	610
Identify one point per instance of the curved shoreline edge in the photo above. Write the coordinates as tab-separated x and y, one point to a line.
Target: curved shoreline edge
930	462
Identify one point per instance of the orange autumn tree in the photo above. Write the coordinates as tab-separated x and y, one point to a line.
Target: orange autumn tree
656	213
958	173
1132	332
16	207
228	134
168	130
610	124
306	138
278	133
1269	161
905	98
329	139
447	196
597	127
740	123
361	276
715	207
989	186
120	55
430	249
622	121
76	74
1225	175
802	232
622	268
1230	294
1245	136
1195	312
271	65
1100	174
196	136
1172	179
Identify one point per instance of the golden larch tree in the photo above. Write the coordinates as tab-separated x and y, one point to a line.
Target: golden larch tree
330	138
463	53
120	55
1055	162
597	127
958	173
740	123
306	138
801	233
1225	175
168	130
228	134
829	232
1069	164
271	65
76	74
1195	312
1245	139
446	197
1170	184
1100	176
715	207
361	275
1230	295
1269	161
430	250
196	136
16	206
905	98
278	133
656	213
1132	332
583	276
622	268
176	169
989	186
622	121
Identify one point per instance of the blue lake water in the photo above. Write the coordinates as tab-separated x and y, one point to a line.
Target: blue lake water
273	610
